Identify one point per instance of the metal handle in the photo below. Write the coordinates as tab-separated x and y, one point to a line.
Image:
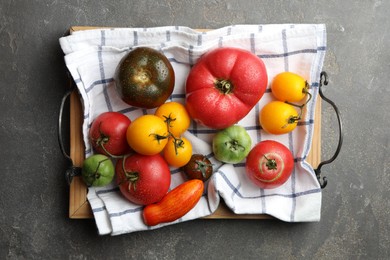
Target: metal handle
324	181
72	170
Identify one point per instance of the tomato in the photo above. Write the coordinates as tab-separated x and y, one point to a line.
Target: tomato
278	117
147	134
290	87
224	85
144	78
232	144
176	117
143	179
108	133
175	204
178	151
269	164
98	170
199	167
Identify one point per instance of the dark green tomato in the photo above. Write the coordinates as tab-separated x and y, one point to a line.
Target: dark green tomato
232	144
98	170
199	167
144	78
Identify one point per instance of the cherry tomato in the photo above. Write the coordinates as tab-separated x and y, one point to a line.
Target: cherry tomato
278	117
98	170
288	86
176	117
232	144
143	179
199	167
269	164
178	151
108	133
224	85
147	134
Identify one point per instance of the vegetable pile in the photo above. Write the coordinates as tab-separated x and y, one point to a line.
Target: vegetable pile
221	89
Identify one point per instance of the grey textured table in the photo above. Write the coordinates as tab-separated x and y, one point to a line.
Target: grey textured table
33	192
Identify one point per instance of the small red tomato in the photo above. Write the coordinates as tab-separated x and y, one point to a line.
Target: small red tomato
269	164
143	179
199	167
108	133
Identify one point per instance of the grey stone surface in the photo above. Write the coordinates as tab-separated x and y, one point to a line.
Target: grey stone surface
34	195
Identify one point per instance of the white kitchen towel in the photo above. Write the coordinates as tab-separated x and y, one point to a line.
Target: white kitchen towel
92	56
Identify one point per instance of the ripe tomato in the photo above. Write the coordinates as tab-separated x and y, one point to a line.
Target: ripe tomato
147	134
232	144
269	164
144	78
199	167
290	87
224	85
278	117
98	170
108	133
178	151
175	116
143	179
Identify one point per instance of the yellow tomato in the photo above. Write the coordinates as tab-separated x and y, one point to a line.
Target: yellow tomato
147	135
176	116
178	151
288	86
278	117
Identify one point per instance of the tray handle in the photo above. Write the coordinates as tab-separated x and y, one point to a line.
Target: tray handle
72	170
324	181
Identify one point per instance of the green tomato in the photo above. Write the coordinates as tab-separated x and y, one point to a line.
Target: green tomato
98	170
232	144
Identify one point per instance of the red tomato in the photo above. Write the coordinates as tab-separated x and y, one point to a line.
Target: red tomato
269	164
143	179
108	133
224	85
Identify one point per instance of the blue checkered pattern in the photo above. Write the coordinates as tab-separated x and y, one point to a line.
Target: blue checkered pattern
92	57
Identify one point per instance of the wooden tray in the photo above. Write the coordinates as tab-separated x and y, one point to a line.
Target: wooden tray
79	207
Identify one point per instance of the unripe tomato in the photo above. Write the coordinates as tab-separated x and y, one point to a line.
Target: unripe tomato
288	86
176	117
98	170
178	151
278	117
232	144
147	135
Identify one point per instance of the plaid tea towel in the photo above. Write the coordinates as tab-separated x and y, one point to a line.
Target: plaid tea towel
92	57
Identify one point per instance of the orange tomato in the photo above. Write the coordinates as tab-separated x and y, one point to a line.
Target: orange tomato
278	117
178	151
288	86
175	115
147	135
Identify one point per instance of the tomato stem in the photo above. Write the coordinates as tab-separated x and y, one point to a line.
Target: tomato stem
177	141
96	173
271	163
224	86
234	145
294	119
202	167
132	176
168	120
102	140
